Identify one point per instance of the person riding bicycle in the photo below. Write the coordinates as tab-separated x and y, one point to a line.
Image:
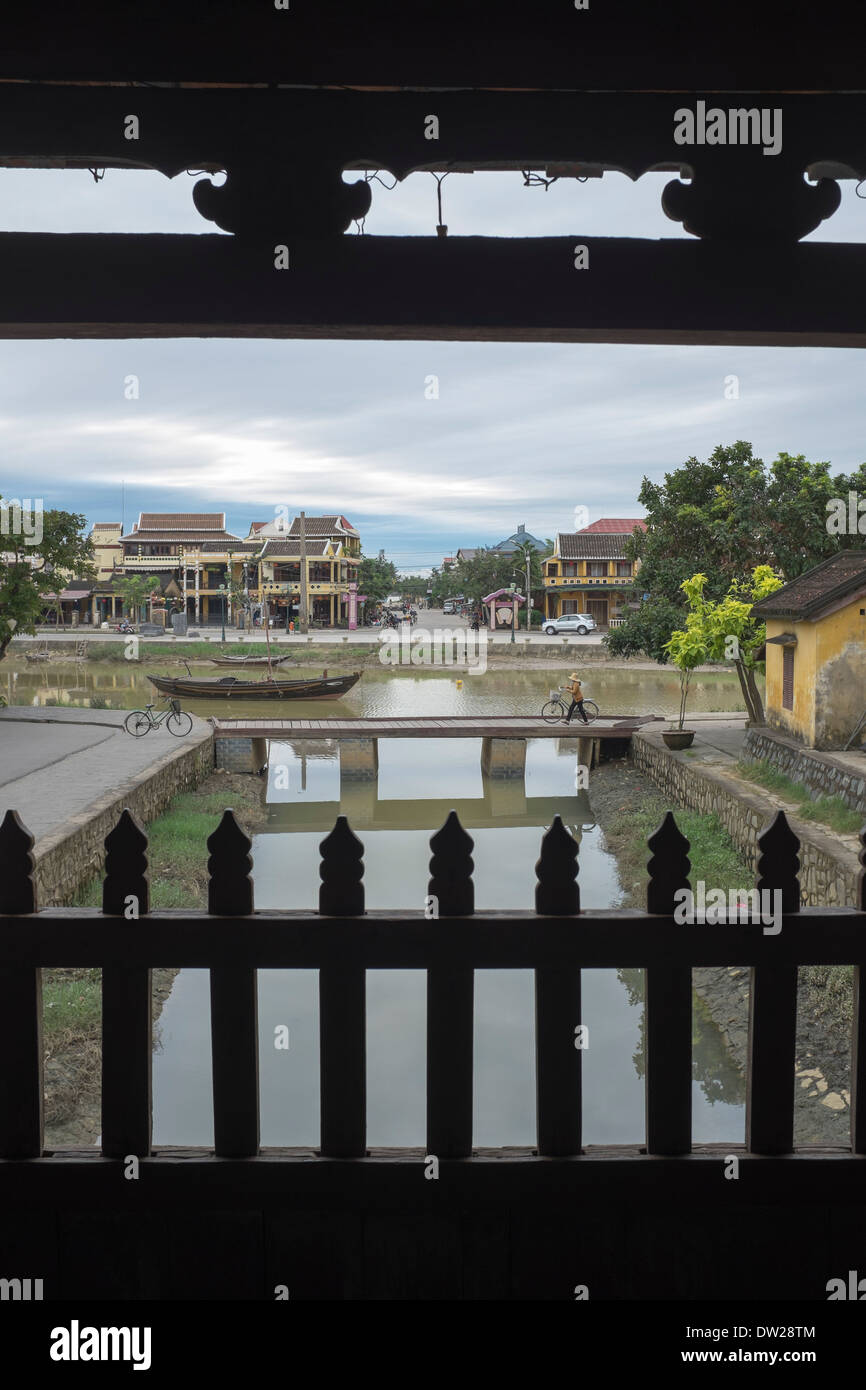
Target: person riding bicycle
574	685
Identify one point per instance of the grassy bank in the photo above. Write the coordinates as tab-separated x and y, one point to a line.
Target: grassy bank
177	840
826	810
72	1001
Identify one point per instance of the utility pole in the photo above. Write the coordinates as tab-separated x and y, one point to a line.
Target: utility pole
528	600
303	616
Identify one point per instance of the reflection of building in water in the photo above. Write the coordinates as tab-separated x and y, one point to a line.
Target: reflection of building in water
504	803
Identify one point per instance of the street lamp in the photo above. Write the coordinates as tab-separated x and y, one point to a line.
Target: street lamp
222	590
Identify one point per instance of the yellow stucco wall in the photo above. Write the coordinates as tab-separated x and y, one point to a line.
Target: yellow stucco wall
829	677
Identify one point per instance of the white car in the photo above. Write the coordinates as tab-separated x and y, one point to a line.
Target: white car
580	623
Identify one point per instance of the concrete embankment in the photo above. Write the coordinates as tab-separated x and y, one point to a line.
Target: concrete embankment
705	779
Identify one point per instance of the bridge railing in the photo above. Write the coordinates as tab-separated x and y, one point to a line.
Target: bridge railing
448	940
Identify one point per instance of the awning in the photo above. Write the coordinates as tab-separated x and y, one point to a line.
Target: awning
785	639
71	595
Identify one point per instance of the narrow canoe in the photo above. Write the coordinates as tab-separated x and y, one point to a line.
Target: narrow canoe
246	660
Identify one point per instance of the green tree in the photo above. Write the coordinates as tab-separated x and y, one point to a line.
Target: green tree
722	518
135	590
30	572
377	578
727	630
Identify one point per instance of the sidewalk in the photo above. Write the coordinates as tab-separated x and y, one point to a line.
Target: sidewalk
56	764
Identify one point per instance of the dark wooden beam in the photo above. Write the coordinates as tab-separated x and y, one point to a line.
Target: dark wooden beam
621	1173
478	289
631	43
378	940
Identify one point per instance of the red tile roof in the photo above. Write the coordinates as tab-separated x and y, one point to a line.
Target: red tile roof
615	525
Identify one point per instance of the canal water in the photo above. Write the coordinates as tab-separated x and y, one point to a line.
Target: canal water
418	782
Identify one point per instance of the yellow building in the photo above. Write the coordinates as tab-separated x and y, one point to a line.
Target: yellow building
816	652
589	573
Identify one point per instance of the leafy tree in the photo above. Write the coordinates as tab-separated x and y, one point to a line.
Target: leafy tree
377	578
135	590
727	629
29	572
723	518
487	571
687	648
415	585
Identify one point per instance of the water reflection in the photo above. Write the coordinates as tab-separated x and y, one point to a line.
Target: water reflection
418	782
381	691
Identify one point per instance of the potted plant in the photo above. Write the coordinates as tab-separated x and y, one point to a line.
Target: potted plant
687	649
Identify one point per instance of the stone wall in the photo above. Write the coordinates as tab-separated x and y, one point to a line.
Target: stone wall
828	869
65	861
821	773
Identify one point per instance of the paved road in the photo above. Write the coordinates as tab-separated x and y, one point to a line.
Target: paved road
55	763
428	618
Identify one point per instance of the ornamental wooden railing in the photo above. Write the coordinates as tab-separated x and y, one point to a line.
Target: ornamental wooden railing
342	942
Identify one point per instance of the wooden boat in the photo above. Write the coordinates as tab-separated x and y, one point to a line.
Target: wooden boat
224	687
246	660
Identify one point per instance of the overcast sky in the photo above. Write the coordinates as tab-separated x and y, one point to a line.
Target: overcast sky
519	433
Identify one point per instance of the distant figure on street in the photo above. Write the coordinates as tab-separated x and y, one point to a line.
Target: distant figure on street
576	689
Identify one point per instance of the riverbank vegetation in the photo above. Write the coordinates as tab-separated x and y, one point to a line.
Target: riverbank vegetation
72	998
826	810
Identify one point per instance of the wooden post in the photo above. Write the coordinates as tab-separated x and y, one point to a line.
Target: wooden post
773	1008
668	1007
450	1001
303	606
127	1031
21	1083
233	1001
342	1004
558	1055
858	1030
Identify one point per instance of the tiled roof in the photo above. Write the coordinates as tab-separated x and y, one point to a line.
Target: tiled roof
256	526
819	588
232	544
181	521
579	545
614	526
106	526
322	526
180	537
293	548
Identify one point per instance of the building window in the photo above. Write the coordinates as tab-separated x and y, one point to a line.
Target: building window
596	569
623	569
788	678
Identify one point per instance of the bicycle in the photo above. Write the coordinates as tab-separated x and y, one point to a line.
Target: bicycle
556	709
140	721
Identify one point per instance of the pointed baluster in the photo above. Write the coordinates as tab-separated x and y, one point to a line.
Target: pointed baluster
858	1031
342	1004
668	868
558	1096
668	1006
230	889
450	1000
21	1108
233	1000
127	1030
557	893
17	888
773	1006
